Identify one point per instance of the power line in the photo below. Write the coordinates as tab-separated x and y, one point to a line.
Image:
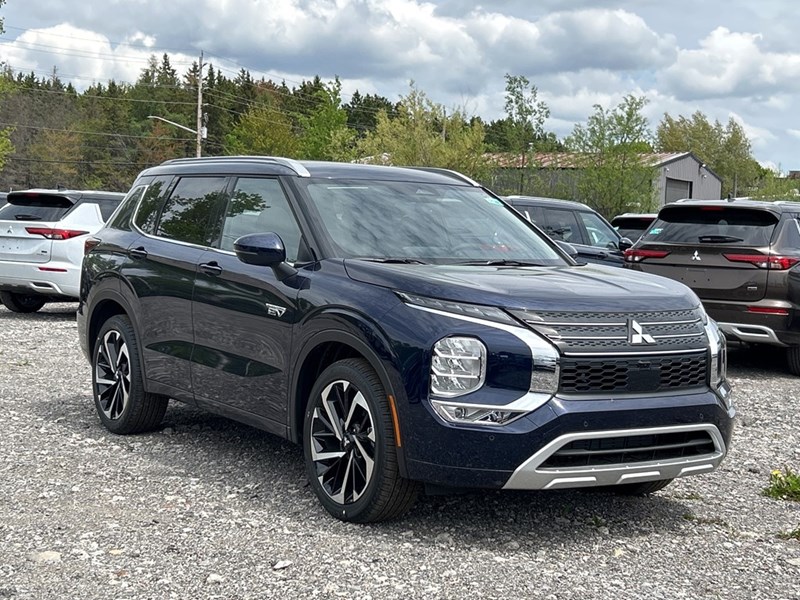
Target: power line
101	133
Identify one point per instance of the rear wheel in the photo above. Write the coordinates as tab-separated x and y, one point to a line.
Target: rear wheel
121	401
350	447
22	303
793	358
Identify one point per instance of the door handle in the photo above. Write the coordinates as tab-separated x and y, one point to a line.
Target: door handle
139	252
211	268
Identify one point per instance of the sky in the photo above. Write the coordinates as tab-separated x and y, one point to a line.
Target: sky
726	58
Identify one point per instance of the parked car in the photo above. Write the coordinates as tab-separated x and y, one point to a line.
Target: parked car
740	257
405	326
3	201
42	233
594	239
633	225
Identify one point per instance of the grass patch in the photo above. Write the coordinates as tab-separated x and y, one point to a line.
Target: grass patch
790	535
783	485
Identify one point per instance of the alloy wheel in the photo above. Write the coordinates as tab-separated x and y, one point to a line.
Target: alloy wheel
113	374
343	442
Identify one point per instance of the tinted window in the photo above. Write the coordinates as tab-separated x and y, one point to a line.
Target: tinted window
35	207
147	213
601	234
429	222
107	206
187	212
631	227
122	218
561	225
712	224
257	206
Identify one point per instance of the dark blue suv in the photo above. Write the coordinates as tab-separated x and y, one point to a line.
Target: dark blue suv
406	326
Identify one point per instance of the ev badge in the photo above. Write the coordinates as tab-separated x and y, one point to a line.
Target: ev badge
636	334
696	256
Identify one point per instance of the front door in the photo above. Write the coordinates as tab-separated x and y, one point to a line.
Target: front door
242	314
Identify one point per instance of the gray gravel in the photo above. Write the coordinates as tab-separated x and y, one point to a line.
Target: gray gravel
208	508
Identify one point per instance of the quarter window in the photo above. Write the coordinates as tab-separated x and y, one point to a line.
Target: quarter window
259	205
188	210
153	199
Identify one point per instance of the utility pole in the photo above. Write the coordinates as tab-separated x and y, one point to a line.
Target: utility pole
200	129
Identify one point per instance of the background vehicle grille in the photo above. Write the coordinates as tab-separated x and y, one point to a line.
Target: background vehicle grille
631	449
633	374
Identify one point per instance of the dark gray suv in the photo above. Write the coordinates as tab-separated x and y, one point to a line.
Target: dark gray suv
740	257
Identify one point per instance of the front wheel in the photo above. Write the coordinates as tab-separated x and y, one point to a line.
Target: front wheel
121	401
350	448
22	303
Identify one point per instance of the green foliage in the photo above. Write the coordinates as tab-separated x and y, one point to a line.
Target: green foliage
770	186
724	148
326	135
424	135
614	178
264	129
783	485
525	115
791	535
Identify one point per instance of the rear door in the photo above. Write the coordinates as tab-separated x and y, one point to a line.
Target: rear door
24	222
721	252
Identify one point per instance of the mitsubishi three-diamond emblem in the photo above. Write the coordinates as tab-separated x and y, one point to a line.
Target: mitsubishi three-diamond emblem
696	256
637	335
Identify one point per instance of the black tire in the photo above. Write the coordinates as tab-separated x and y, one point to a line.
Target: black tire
640	489
793	358
349	418
121	401
22	303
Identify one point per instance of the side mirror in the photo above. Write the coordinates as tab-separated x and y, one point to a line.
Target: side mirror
264	250
568	248
624	244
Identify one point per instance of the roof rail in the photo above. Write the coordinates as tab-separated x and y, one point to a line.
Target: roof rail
449	173
292	164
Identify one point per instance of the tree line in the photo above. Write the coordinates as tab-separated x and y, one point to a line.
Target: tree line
54	135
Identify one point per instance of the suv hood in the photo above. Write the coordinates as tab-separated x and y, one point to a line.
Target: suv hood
589	287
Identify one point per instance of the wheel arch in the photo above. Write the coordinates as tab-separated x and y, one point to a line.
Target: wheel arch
326	347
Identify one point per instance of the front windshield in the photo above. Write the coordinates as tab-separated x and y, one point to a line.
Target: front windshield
425	223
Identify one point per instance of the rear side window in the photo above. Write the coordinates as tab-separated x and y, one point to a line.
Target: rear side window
147	212
35	207
561	225
107	207
713	225
122	218
187	212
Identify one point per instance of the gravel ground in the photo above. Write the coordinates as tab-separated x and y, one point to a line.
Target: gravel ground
208	508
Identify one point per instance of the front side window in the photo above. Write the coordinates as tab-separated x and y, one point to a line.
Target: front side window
427	222
187	212
601	234
259	205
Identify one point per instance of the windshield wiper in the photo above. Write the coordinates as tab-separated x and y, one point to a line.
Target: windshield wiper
718	239
499	262
397	260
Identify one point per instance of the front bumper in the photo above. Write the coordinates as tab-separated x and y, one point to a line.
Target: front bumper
520	455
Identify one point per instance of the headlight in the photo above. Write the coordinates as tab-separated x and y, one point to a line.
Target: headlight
475	311
719	362
458	366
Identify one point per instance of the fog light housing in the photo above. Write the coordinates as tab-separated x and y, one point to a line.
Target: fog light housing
458	366
475	413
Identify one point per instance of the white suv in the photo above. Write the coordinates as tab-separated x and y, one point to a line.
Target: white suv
42	233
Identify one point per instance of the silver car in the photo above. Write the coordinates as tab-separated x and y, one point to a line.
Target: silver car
42	235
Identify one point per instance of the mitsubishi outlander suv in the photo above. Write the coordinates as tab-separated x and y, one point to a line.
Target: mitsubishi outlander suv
41	243
740	257
405	326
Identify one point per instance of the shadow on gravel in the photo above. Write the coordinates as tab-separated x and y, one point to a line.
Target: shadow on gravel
269	475
755	359
58	311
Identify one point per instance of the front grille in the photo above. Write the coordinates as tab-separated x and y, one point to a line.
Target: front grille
633	374
576	333
631	449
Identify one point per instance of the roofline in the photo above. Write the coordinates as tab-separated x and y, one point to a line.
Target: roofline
694	156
